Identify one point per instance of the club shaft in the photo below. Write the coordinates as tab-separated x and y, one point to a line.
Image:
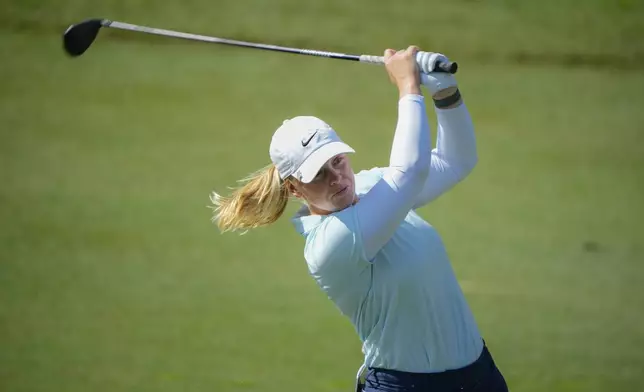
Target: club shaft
204	38
449	67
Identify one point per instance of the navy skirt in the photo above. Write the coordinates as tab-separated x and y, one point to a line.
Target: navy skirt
480	376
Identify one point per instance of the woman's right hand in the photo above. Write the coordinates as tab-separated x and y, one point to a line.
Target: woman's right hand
403	70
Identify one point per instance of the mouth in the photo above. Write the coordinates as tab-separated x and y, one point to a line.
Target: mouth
341	192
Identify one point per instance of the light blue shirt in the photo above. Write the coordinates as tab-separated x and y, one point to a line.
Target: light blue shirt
401	296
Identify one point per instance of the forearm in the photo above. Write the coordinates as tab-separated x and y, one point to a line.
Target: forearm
409	150
456	142
385	206
455	154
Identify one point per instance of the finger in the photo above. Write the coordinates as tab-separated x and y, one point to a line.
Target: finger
389	53
412	50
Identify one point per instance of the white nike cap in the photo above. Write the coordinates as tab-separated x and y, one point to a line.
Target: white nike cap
302	145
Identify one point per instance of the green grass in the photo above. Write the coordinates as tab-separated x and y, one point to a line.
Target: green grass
563	32
112	277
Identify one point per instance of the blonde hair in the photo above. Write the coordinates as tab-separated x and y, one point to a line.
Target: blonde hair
259	201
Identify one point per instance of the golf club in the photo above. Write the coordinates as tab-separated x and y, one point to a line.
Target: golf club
79	37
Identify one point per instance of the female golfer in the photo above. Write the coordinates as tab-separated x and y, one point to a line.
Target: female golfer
383	266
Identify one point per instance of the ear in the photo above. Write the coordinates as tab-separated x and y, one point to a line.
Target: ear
293	189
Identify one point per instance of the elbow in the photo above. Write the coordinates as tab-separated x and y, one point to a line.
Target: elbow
418	164
464	168
418	170
470	164
413	166
422	172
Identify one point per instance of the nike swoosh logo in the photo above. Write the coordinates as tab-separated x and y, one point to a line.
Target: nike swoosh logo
307	141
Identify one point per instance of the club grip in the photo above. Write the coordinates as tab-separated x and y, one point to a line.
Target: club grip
440	66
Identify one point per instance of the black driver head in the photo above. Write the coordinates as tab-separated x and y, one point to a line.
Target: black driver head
77	38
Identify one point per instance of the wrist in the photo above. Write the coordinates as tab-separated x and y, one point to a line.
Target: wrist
409	88
439	84
447	98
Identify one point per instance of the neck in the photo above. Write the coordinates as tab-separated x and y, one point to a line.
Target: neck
318	211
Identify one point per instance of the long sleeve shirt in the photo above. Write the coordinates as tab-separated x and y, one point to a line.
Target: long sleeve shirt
385	267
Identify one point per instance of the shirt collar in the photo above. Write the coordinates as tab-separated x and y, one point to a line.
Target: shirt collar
304	222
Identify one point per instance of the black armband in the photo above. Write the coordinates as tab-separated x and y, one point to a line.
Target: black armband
448	101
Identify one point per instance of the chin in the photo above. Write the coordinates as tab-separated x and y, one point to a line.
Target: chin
345	201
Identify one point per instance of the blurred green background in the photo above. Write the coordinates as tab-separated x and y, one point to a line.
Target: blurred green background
113	278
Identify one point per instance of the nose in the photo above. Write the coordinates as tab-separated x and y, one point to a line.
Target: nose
334	177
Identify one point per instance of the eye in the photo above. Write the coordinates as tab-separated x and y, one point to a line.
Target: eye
337	160
320	175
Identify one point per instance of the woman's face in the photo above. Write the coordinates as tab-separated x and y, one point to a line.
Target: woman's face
332	189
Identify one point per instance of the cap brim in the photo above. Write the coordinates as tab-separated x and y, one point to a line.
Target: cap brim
312	165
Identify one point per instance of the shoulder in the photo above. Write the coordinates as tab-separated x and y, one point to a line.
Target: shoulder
335	240
366	179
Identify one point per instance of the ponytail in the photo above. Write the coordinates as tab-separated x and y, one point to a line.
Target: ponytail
259	201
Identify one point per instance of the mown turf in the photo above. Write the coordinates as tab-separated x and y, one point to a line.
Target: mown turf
112	277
